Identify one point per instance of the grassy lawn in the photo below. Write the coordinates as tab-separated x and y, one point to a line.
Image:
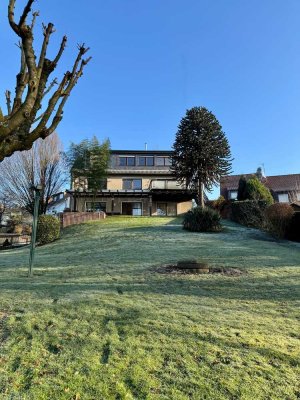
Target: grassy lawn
97	322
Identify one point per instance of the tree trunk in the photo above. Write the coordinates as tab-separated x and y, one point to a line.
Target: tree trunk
200	194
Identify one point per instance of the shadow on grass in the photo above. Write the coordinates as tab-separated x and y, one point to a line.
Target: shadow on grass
244	288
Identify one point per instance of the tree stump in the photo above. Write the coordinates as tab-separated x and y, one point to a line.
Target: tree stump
193	266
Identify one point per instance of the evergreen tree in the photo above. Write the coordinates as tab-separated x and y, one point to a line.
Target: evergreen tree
201	151
242	188
256	190
88	163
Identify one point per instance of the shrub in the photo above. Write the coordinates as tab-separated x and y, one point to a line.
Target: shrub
278	219
293	230
15	224
202	220
242	188
221	205
48	229
249	212
27	229
255	190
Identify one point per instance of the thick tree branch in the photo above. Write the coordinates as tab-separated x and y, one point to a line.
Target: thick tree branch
8	101
26	11
17	130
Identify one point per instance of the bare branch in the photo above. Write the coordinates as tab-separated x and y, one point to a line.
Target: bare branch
48	30
11	16
34	15
8	101
21	80
54	82
26	11
61	50
16	132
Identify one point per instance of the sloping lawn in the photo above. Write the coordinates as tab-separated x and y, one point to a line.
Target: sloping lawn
98	322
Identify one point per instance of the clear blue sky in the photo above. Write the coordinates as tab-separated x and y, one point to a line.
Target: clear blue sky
153	59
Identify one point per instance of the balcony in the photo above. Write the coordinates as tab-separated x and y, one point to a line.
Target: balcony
164	184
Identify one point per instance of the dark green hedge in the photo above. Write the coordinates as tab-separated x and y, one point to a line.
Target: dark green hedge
202	220
293	231
249	212
48	229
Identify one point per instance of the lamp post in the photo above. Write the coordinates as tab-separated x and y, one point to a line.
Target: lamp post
37	194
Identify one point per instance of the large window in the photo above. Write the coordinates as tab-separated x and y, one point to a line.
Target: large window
130	208
146	161
283	198
163	161
127	161
132	184
91	206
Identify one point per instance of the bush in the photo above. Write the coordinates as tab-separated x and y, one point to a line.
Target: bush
255	190
202	220
221	205
14	225
278	219
48	229
249	212
293	230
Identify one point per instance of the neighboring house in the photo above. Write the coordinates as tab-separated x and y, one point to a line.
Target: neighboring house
58	203
10	213
284	188
139	182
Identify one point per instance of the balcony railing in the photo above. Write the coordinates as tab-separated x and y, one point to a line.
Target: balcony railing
162	184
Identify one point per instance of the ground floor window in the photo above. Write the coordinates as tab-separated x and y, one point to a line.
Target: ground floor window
132	208
166	209
91	206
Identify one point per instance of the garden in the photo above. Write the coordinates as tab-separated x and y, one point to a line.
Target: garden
103	318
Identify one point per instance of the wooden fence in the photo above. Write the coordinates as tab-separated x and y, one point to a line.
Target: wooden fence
74	218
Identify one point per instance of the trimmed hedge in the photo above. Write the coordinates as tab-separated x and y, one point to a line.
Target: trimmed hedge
202	220
278	219
48	229
249	212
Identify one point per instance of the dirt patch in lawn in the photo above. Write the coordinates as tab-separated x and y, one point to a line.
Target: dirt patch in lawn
173	269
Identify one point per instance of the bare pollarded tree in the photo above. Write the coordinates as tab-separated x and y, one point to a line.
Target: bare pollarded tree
25	120
43	164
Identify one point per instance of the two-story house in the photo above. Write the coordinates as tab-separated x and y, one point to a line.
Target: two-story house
139	182
284	188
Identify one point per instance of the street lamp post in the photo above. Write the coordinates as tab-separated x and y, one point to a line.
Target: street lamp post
37	194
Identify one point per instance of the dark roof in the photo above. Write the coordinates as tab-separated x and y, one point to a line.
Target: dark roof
143	152
278	183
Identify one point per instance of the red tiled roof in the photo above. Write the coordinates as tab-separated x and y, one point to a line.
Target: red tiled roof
278	183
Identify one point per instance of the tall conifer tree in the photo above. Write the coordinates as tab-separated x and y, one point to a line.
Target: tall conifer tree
201	151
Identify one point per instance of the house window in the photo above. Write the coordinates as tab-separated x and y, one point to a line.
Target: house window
232	194
146	161
162	161
283	198
298	196
91	206
132	184
130	208
127	161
